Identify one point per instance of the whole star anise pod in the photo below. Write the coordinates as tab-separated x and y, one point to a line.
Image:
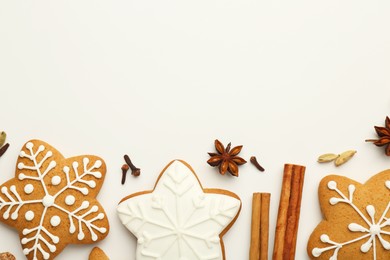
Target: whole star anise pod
384	136
226	159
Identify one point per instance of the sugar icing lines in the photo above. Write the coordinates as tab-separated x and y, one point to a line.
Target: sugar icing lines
178	220
369	228
42	198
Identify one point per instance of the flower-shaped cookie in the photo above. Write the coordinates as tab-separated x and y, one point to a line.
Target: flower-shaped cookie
356	221
179	219
51	201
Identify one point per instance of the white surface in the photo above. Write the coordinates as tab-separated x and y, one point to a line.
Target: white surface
161	80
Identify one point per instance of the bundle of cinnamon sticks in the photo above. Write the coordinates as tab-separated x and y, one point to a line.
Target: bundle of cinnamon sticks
288	218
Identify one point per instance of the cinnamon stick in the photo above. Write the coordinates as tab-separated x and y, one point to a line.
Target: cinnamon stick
260	226
289	211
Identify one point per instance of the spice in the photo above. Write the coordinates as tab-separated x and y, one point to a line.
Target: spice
124	168
260	226
4	149
328	157
384	136
344	157
338	159
289	211
3	136
7	256
134	170
226	159
254	161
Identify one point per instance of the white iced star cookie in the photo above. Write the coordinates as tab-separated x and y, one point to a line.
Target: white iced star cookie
51	201
179	220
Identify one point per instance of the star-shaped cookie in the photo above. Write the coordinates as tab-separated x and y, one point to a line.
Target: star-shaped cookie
179	219
51	201
356	221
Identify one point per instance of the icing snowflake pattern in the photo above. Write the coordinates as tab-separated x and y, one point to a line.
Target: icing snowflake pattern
45	198
178	220
372	232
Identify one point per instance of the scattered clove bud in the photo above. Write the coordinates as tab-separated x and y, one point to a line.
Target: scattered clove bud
254	161
134	170
124	168
3	149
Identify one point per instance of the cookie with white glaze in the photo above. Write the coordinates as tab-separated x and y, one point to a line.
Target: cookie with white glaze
51	200
356	221
179	219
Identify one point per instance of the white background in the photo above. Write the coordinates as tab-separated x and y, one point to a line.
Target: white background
162	79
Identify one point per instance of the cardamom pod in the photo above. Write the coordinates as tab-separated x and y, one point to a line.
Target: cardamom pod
3	136
328	157
344	157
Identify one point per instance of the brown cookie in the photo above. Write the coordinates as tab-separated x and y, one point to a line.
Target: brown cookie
356	221
97	254
51	201
7	256
179	219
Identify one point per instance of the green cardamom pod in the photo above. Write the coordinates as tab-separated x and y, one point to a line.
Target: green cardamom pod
344	157
328	157
3	136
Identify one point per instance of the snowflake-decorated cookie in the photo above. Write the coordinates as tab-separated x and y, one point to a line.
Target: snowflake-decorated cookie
179	219
51	201
356	221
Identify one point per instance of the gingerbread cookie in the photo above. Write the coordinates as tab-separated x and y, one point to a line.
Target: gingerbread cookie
179	219
51	201
7	256
97	254
356	221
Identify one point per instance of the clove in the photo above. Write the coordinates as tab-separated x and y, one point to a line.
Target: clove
124	168
254	161
134	170
3	149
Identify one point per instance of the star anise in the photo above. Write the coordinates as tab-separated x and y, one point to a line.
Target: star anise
226	159
384	136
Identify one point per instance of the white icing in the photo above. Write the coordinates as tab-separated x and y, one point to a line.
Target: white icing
332	185
55	180
70	200
48	201
55	221
178	220
372	230
29	188
43	239
11	202
29	145
29	215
